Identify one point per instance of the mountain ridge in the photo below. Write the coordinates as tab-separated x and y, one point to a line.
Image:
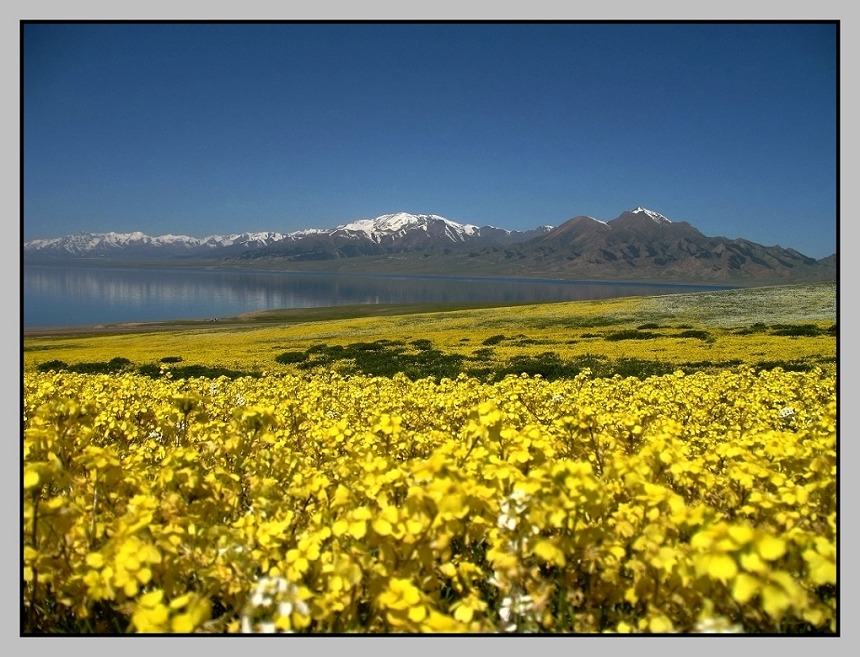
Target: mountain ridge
638	244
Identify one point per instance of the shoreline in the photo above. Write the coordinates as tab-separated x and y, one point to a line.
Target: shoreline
288	316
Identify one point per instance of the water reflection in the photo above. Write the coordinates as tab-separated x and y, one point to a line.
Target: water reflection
81	295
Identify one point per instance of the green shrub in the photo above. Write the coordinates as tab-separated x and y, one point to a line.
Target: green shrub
701	335
430	363
113	366
151	370
289	357
758	327
632	335
797	330
785	365
193	371
548	365
641	369
52	365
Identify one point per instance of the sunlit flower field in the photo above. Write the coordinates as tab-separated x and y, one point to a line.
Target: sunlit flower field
297	495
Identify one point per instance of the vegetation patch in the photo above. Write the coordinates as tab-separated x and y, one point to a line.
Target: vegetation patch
785	365
632	334
113	366
700	335
798	330
52	366
700	365
291	357
639	368
203	371
551	366
758	327
430	363
493	339
383	358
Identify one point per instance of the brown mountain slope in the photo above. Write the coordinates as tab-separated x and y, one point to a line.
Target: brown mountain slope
644	244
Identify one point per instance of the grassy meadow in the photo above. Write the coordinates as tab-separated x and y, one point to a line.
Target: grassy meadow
660	465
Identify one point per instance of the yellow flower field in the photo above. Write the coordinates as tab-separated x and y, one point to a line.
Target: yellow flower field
311	497
733	326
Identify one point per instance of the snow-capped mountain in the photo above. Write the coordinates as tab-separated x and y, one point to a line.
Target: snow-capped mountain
400	230
392	226
656	217
638	244
137	243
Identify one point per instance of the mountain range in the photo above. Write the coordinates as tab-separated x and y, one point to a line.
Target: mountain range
639	244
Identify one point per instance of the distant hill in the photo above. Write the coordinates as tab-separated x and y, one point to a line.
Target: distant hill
639	244
646	244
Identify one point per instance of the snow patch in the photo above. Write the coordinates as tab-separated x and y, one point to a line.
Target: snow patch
655	216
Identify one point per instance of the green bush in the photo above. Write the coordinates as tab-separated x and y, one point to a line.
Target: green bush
797	330
633	334
289	357
113	366
701	335
430	363
193	371
52	365
785	365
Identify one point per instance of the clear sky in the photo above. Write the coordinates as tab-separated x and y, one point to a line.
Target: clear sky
201	129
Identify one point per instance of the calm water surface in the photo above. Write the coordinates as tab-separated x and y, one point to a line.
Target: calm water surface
84	295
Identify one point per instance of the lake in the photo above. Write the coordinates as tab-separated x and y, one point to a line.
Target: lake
78	295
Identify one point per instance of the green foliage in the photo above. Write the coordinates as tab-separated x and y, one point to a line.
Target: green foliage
151	370
632	334
52	365
785	365
758	327
289	357
171	359
797	330
493	339
189	371
701	335
710	365
154	371
640	368
113	366
548	365
430	363
385	358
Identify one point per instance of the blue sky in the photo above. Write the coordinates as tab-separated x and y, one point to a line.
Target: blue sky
200	129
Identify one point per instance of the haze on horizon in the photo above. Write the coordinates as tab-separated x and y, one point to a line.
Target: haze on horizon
204	128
